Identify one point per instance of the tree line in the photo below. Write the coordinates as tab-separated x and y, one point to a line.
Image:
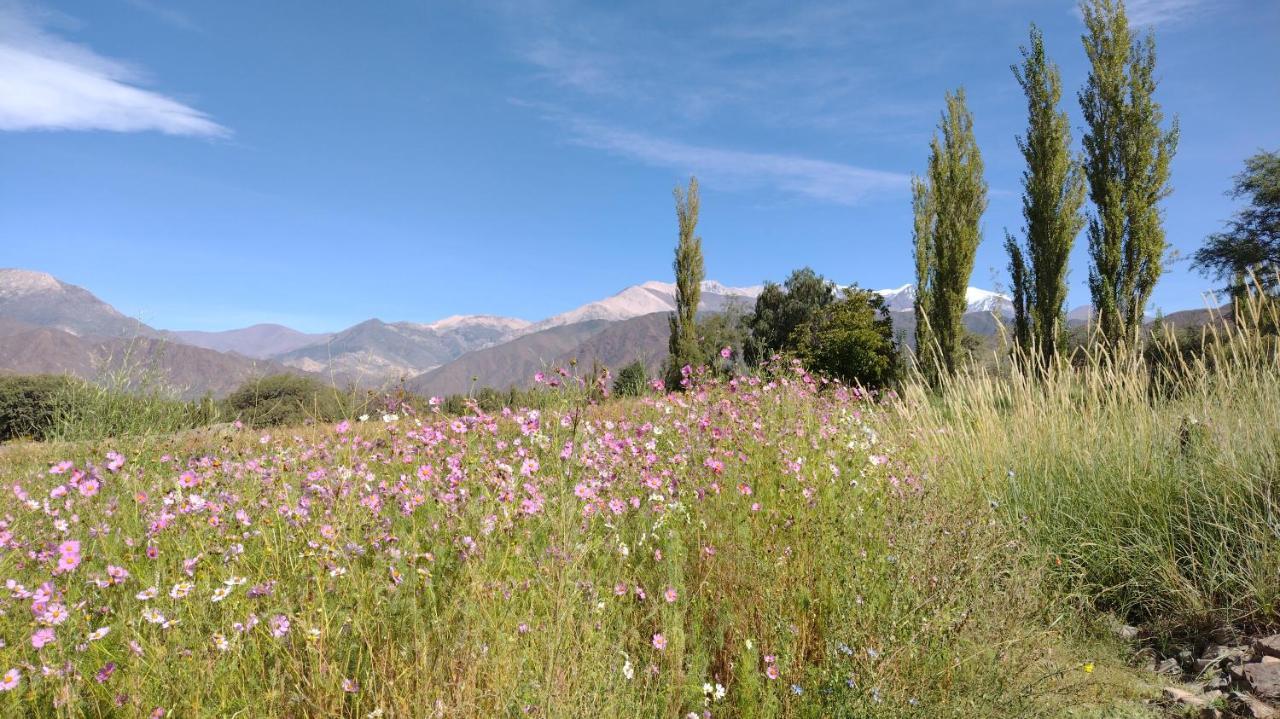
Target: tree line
1112	189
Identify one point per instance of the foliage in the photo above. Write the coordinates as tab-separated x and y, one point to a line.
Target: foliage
1053	193
778	552
1249	250
683	346
285	399
851	339
30	405
781	310
1150	484
1126	162
948	205
632	380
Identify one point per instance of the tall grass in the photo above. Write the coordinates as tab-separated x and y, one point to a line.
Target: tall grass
1152	491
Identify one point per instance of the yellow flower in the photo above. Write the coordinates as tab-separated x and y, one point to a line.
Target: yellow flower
1088	667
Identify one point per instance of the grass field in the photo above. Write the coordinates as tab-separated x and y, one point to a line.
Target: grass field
757	547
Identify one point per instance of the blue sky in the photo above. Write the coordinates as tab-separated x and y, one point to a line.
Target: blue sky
211	165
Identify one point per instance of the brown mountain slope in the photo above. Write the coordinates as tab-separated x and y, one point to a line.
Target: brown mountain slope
187	371
509	364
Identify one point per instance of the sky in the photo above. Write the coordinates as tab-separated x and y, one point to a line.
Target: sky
210	165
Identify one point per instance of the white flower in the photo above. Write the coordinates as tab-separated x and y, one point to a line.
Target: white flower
220	594
389	418
99	633
181	590
720	691
364	418
148	593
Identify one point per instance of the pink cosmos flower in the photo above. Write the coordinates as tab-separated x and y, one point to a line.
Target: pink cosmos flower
89	487
42	637
115	461
771	671
659	642
726	352
350	686
10	679
343	427
670	595
279	626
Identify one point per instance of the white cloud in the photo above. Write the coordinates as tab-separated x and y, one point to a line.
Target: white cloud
48	83
1160	12
815	179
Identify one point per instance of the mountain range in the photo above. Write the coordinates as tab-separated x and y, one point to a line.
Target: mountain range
49	326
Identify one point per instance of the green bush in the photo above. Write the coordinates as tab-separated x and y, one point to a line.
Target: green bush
851	339
631	380
285	399
30	405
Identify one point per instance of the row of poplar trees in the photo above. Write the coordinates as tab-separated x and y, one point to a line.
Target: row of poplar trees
1123	170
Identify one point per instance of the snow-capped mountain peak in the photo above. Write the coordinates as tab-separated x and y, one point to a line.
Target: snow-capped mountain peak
903	298
453	322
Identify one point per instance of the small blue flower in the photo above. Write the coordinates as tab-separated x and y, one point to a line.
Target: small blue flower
797	689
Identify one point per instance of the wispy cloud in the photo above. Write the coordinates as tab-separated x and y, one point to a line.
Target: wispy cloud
815	179
1149	13
1161	12
49	83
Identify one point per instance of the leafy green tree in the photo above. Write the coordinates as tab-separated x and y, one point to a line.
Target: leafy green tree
948	205
1249	250
782	309
1126	162
683	345
631	380
922	242
1052	195
283	399
851	339
1019	277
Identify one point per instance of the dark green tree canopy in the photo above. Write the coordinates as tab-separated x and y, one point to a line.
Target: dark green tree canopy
782	309
1249	249
851	339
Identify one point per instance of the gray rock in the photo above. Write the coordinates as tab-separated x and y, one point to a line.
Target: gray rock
1185	698
1127	632
1250	706
1264	679
1268	646
1169	666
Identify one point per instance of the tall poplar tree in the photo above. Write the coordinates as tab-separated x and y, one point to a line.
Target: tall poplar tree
683	344
1126	161
1052	195
922	240
948	205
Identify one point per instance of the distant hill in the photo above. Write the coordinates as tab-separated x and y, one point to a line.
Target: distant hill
258	341
376	352
50	326
187	371
510	363
41	300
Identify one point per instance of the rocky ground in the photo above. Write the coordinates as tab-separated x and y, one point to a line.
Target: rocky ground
1224	680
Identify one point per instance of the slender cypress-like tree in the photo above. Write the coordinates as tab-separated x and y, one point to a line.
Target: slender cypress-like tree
683	344
922	240
1126	161
1018	275
948	205
1052	195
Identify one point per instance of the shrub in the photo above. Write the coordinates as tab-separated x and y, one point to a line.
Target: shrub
285	399
631	380
30	405
851	339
